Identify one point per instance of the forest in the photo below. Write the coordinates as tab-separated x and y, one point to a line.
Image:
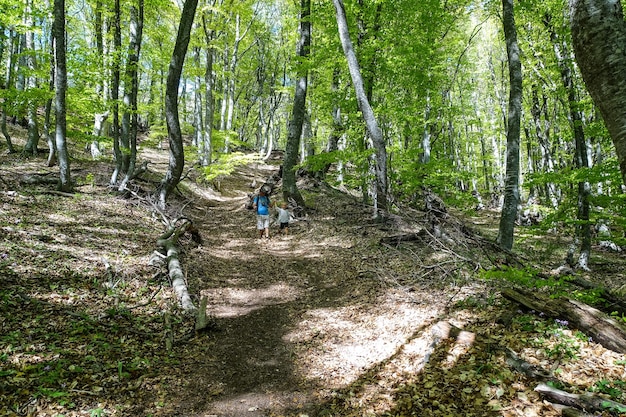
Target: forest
454	173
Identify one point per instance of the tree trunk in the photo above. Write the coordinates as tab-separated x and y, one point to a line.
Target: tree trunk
373	130
115	86
198	124
131	91
511	187
206	148
31	83
599	39
65	180
290	189
177	157
582	161
52	146
3	116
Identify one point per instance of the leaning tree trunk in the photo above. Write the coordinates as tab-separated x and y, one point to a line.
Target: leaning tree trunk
511	187
60	83
290	189
599	39
373	130
177	157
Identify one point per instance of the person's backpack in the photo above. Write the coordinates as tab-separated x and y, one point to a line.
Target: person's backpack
250	203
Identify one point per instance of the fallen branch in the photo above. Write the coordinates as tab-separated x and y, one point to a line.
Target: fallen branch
408	237
587	319
584	402
168	241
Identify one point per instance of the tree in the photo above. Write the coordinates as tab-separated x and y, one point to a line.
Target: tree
599	39
373	130
131	89
177	157
65	180
294	134
580	143
31	81
511	187
115	85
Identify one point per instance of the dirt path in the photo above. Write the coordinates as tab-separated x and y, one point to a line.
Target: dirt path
298	316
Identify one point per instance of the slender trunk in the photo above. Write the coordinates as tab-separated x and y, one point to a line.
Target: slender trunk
65	180
115	88
511	190
206	148
177	157
31	84
198	124
3	115
129	120
52	146
582	161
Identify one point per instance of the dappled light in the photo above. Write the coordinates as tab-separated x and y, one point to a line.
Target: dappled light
331	319
336	345
232	302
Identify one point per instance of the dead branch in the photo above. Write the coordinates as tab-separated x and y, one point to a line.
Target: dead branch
603	329
584	402
168	241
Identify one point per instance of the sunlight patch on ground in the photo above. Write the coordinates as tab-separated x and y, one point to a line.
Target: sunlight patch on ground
255	404
234	302
336	345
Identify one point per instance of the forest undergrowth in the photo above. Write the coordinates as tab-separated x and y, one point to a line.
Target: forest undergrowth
345	316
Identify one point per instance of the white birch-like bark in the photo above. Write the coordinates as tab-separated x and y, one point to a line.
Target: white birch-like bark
373	130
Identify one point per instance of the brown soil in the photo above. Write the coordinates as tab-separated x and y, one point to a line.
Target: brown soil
326	321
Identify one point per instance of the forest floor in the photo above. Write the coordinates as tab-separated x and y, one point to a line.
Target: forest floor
327	321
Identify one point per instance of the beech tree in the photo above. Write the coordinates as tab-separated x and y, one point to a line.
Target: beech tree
511	188
599	38
290	190
176	160
373	130
65	179
128	134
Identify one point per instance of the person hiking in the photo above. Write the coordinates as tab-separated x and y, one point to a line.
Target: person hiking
283	218
261	206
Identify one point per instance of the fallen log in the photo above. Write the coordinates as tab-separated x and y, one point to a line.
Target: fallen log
591	321
168	241
585	402
408	237
615	302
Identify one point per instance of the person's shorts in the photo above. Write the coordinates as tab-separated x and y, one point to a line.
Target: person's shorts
262	221
284	225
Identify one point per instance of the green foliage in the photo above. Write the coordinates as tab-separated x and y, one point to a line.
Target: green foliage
608	203
441	176
613	388
552	336
156	136
526	277
226	164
